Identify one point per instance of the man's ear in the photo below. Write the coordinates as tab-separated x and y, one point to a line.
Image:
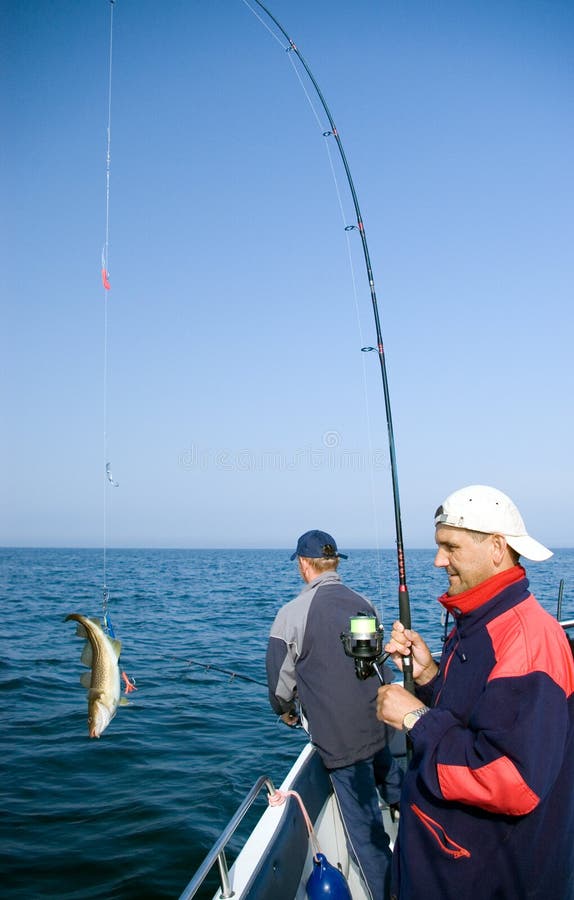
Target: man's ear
499	548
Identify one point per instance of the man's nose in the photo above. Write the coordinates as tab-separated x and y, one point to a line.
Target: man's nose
441	559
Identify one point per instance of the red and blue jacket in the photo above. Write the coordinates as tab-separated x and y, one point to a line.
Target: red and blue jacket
487	810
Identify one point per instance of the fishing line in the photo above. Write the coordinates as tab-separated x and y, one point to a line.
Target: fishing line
348	230
109	480
404	602
106	288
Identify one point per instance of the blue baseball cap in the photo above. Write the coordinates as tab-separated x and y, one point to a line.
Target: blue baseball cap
317	545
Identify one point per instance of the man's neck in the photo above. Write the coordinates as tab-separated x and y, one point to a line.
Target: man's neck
483	592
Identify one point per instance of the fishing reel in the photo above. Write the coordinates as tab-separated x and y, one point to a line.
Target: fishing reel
363	642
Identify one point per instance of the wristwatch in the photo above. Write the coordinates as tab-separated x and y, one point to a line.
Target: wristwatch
411	718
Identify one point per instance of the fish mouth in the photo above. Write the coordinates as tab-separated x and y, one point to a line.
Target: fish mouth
99	719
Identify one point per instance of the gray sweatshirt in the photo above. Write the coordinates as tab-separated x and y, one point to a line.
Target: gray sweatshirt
306	661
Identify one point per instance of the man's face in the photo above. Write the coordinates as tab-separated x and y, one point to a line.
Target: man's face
467	562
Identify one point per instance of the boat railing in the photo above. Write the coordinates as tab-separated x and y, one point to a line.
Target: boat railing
217	852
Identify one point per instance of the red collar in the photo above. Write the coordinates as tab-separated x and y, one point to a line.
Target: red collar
482	593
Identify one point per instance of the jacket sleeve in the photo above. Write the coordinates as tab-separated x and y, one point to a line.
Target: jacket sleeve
280	676
283	649
506	758
424	692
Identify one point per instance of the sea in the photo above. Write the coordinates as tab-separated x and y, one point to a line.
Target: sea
133	814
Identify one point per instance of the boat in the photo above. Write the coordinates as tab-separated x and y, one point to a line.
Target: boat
277	858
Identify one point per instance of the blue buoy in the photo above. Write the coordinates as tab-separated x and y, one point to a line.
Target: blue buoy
325	881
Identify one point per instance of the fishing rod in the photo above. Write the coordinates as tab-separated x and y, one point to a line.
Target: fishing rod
404	601
208	666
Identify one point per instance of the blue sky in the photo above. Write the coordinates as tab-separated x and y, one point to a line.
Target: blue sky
240	410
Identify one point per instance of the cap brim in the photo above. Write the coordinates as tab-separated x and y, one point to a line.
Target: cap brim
528	547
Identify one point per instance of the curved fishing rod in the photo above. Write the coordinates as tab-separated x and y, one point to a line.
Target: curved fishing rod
404	602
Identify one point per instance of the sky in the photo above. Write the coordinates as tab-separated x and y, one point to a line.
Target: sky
222	377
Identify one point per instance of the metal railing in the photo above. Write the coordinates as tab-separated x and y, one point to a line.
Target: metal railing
217	852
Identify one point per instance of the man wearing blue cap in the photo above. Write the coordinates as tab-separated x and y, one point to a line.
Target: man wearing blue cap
306	665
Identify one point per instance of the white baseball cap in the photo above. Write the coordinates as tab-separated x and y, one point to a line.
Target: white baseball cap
482	508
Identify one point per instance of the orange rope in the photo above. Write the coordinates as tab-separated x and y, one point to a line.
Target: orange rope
279	797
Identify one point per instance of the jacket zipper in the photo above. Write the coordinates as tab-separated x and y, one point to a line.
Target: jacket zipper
445	669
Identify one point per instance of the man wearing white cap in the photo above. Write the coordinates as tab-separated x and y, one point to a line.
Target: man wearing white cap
487	809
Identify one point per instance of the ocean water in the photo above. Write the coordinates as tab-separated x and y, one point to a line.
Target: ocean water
134	813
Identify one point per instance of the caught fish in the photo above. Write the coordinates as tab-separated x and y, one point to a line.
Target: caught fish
101	655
